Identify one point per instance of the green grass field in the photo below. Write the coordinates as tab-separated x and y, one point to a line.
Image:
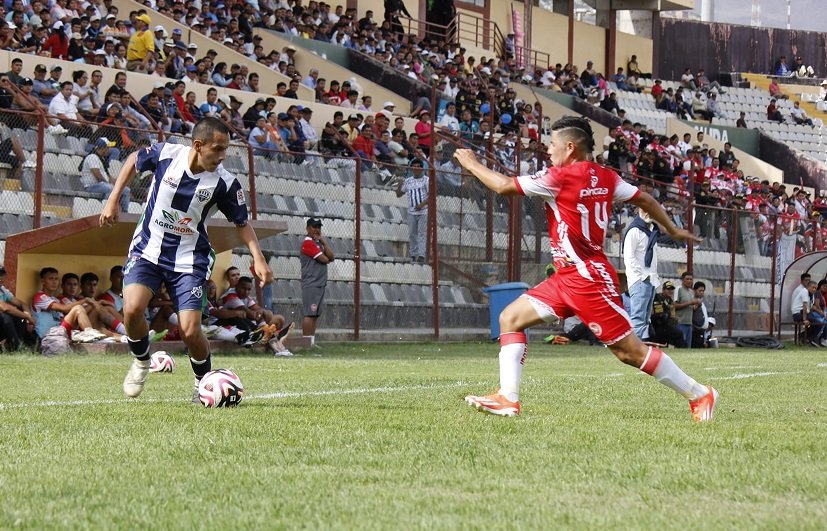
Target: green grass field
378	437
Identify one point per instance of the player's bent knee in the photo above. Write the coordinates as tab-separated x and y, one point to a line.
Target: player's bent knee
628	356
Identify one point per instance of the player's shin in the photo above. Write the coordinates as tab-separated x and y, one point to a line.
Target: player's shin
139	348
201	367
659	365
513	347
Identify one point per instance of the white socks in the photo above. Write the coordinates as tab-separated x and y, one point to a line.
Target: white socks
659	365
512	359
312	340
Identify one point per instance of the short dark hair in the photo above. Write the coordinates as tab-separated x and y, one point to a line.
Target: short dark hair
115	269
698	285
227	271
69	276
686	274
89	277
47	271
576	129
206	129
247	280
804	276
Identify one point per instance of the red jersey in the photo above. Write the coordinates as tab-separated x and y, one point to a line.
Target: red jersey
578	204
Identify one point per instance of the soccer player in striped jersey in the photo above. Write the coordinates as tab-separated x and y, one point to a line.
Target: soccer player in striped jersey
578	197
170	243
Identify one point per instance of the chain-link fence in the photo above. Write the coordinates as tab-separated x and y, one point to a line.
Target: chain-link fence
416	239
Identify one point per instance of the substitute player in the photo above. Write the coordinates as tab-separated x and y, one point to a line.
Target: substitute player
578	198
170	243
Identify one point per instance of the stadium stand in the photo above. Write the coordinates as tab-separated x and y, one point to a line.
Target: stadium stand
294	187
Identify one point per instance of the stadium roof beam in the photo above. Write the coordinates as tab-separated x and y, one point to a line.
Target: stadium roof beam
641	5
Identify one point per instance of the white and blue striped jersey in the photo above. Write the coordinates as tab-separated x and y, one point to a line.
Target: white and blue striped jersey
172	231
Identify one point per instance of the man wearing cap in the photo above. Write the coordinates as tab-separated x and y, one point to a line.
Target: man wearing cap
174	67
254	112
311	138
664	320
94	173
160	36
141	49
316	253
43	88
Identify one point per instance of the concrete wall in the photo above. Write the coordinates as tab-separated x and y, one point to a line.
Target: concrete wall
589	45
305	60
267	77
629	45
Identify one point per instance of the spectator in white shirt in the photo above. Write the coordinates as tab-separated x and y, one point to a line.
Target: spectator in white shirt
641	262
310	134
799	116
449	119
94	176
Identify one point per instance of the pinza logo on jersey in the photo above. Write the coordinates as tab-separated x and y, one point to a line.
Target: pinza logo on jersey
593	190
203	195
174	222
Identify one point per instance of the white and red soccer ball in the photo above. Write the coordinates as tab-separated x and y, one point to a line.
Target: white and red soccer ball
161	361
220	388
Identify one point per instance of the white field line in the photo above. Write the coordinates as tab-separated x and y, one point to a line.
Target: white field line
742	376
268	396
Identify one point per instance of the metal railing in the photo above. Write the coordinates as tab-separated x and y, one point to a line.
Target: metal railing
473	237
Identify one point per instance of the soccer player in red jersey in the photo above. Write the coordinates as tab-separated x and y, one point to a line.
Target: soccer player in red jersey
578	198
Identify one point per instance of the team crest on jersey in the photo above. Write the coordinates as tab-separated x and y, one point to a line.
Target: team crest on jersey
203	195
174	222
594	181
240	196
197	292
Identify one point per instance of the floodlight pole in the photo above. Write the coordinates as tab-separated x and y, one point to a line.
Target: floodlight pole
432	228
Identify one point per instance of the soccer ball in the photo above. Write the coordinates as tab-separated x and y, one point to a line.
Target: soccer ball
161	361
220	388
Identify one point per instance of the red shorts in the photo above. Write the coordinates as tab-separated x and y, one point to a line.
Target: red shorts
590	292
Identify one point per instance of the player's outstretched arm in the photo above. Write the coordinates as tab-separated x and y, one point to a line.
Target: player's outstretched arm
260	266
494	181
109	216
659	215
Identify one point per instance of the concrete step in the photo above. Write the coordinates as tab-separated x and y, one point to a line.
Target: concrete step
12	185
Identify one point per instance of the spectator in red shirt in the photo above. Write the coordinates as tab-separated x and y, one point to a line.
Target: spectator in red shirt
773	113
657	88
58	42
363	144
423	132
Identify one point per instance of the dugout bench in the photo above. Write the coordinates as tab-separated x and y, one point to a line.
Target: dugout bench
81	246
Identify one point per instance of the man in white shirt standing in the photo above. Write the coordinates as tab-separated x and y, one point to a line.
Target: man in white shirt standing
641	262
